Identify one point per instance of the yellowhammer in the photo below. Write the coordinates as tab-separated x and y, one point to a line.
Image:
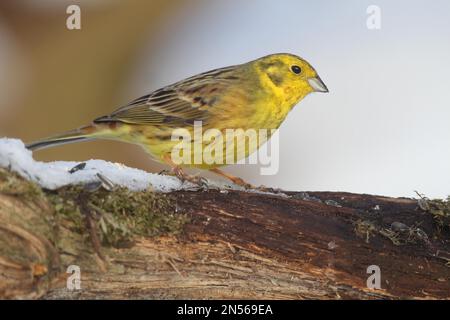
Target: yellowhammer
255	95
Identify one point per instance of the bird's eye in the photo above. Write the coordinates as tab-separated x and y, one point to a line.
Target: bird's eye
296	69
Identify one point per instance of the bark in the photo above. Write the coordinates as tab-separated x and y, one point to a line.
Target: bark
315	245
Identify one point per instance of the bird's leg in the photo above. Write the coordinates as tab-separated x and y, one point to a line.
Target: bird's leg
183	176
180	174
236	180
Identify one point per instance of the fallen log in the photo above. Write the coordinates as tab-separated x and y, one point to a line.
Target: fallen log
219	244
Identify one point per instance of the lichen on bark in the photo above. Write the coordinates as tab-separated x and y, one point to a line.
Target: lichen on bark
121	214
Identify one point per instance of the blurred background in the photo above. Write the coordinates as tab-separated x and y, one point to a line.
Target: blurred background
384	128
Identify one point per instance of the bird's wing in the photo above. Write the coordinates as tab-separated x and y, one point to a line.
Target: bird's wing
179	104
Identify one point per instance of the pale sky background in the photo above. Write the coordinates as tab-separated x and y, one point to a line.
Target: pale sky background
384	128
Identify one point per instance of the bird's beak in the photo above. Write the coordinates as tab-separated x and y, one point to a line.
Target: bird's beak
317	84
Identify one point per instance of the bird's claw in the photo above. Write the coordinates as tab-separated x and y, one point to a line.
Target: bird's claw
240	182
196	180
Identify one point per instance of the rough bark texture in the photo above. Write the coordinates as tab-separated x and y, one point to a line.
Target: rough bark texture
225	244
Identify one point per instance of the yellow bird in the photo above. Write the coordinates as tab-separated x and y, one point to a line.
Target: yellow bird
255	95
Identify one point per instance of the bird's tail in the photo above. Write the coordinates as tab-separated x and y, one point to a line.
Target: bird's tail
85	133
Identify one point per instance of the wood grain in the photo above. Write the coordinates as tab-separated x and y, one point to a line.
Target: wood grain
237	245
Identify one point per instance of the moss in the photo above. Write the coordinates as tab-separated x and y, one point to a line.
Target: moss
365	229
410	235
120	215
14	185
398	236
66	211
439	210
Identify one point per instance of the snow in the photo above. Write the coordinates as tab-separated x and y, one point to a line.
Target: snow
53	175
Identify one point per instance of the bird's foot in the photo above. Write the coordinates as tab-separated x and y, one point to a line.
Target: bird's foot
269	189
196	180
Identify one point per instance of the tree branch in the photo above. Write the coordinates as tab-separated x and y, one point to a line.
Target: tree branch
217	244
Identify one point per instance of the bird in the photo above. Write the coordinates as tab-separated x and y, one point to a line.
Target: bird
255	95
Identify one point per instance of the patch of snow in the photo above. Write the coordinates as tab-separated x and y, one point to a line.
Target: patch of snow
53	175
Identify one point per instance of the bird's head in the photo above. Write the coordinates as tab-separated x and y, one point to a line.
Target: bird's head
290	76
